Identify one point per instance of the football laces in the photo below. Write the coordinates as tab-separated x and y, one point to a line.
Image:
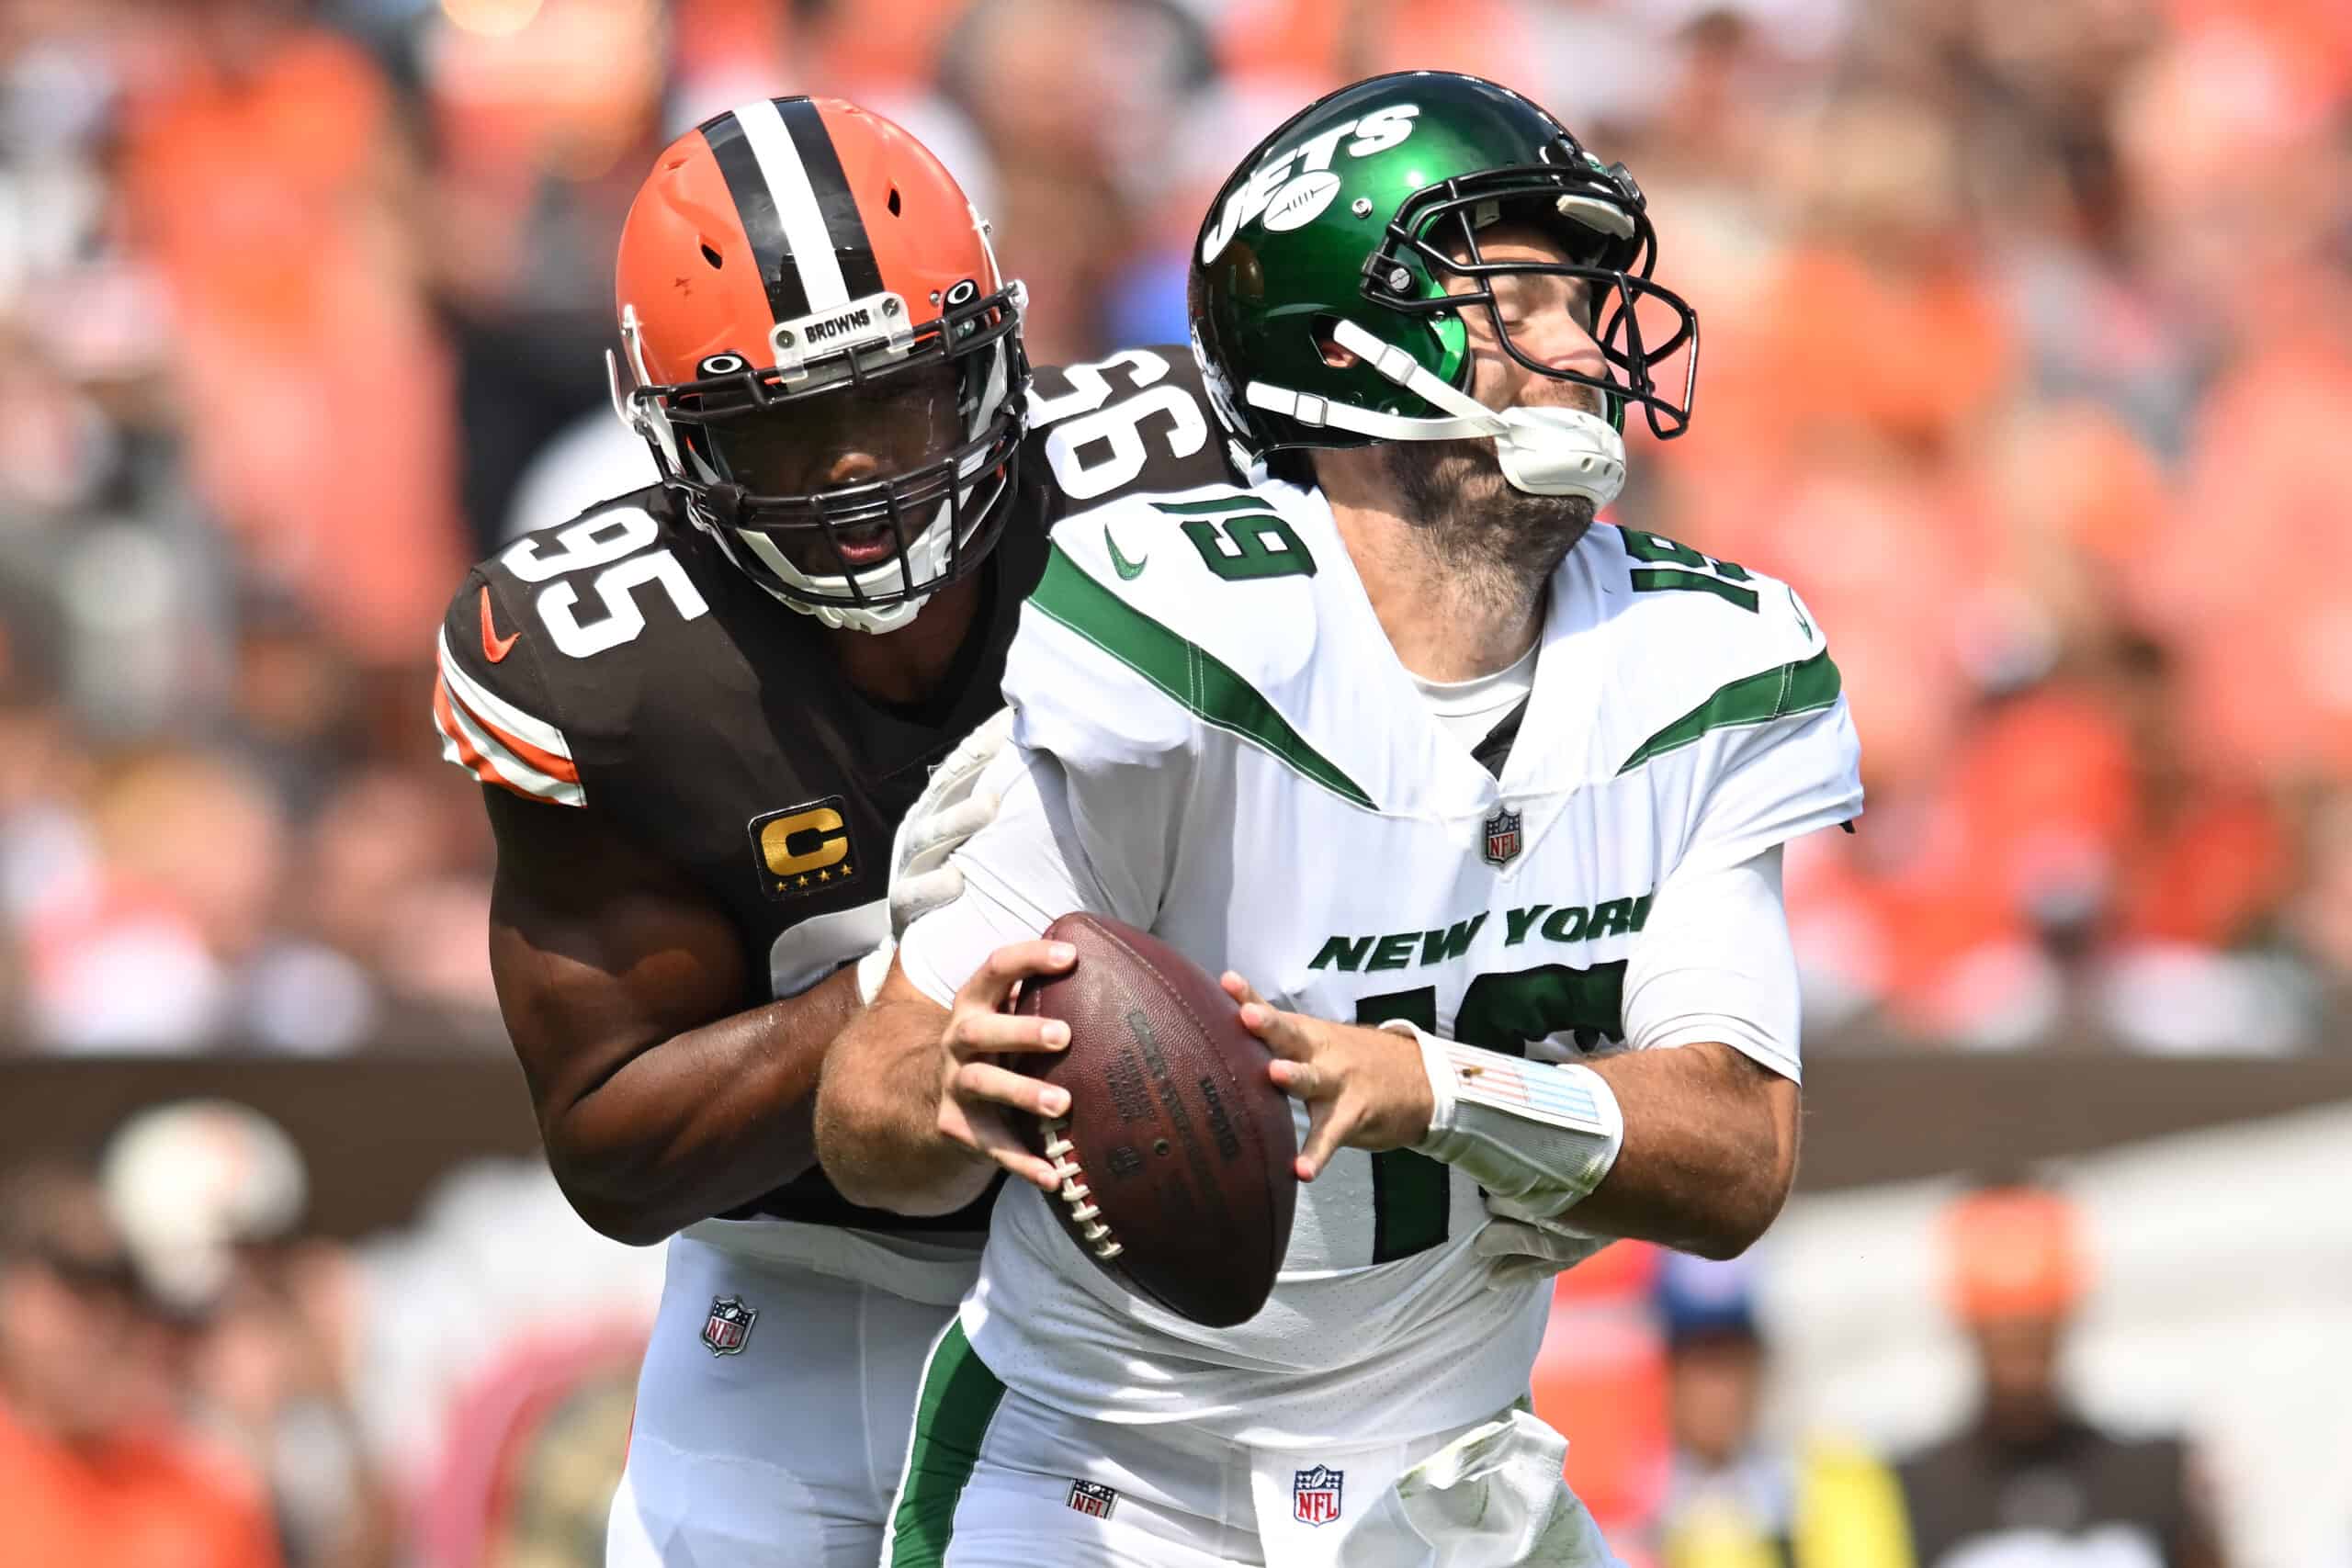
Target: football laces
1074	1192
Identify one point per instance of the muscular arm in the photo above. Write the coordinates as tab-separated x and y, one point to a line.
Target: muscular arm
1708	1143
1711	1150
1710	1100
660	1099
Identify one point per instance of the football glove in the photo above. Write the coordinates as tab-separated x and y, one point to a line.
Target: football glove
924	876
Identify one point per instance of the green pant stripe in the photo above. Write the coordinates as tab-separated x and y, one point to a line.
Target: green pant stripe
952	1415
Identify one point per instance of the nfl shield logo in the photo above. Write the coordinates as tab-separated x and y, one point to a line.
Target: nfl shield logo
1093	1498
729	1327
1315	1494
1502	836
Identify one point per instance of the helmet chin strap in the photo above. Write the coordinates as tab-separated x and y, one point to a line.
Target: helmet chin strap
1543	451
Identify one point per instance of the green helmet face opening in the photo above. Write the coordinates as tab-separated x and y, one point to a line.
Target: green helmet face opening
1574	205
1363	210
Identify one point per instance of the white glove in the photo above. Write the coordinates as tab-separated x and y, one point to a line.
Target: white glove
1522	1248
950	810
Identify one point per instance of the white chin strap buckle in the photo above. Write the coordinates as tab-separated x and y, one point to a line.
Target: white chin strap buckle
1543	451
1555	451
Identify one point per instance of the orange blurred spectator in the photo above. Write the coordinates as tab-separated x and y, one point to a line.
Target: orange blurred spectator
93	1472
1332	41
261	178
1880	315
2252	584
2030	1479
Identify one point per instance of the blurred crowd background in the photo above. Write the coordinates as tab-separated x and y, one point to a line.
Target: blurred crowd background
2028	353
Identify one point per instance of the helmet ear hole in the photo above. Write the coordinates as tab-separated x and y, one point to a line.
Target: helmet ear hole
894	201
1327	343
710	253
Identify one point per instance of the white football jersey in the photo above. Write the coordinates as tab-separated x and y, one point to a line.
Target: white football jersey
1215	742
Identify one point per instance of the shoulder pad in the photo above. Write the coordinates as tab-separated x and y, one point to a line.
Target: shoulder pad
1136	423
1159	612
497	719
1703	644
1231	571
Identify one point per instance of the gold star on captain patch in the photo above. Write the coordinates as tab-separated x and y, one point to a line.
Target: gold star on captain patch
800	882
847	872
824	877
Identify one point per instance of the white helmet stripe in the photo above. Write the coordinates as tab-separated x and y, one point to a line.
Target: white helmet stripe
796	204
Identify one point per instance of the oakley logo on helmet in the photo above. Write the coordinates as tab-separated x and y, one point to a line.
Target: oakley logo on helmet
1291	187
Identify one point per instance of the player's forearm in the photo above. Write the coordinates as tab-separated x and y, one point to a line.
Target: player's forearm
702	1122
877	1117
1710	1151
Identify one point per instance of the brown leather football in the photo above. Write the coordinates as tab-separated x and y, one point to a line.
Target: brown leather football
1178	1152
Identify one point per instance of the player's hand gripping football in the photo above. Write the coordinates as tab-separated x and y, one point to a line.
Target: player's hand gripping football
1364	1089
975	1092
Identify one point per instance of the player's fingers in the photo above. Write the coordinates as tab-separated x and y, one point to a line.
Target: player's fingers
988	1083
992	982
1328	1123
955	1123
1301	1080
1284	1033
972	1032
1239	989
991	1134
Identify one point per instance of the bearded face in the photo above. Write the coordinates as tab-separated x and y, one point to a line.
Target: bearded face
1473	519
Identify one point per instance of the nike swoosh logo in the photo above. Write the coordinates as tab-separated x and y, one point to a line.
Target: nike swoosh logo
1794	610
493	646
1127	569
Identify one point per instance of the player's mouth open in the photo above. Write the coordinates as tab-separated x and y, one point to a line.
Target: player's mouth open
866	543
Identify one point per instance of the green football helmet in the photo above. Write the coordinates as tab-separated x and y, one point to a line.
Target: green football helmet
1336	230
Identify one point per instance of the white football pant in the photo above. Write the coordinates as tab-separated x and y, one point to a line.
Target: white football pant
996	1480
783	1451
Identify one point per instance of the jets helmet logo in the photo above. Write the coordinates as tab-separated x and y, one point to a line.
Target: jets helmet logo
1290	189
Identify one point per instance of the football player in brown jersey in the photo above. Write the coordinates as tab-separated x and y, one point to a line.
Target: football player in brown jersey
700	712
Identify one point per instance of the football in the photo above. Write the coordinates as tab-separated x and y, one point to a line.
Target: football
1177	1153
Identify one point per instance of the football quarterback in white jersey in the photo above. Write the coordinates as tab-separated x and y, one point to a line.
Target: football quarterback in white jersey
1479	804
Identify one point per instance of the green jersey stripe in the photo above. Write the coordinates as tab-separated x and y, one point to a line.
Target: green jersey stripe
1214	504
1801	687
959	1398
1187	673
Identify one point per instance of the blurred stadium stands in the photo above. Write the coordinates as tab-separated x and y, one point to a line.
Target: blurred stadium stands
2028	354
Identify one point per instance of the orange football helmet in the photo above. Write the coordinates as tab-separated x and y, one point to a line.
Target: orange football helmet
822	354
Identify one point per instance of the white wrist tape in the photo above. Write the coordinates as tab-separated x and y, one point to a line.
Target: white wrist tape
1541	1135
873	969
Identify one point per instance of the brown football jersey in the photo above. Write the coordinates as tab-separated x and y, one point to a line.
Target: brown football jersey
2078	1496
618	664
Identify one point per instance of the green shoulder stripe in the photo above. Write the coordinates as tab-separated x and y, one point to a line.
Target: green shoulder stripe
1238	500
1187	673
1801	687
